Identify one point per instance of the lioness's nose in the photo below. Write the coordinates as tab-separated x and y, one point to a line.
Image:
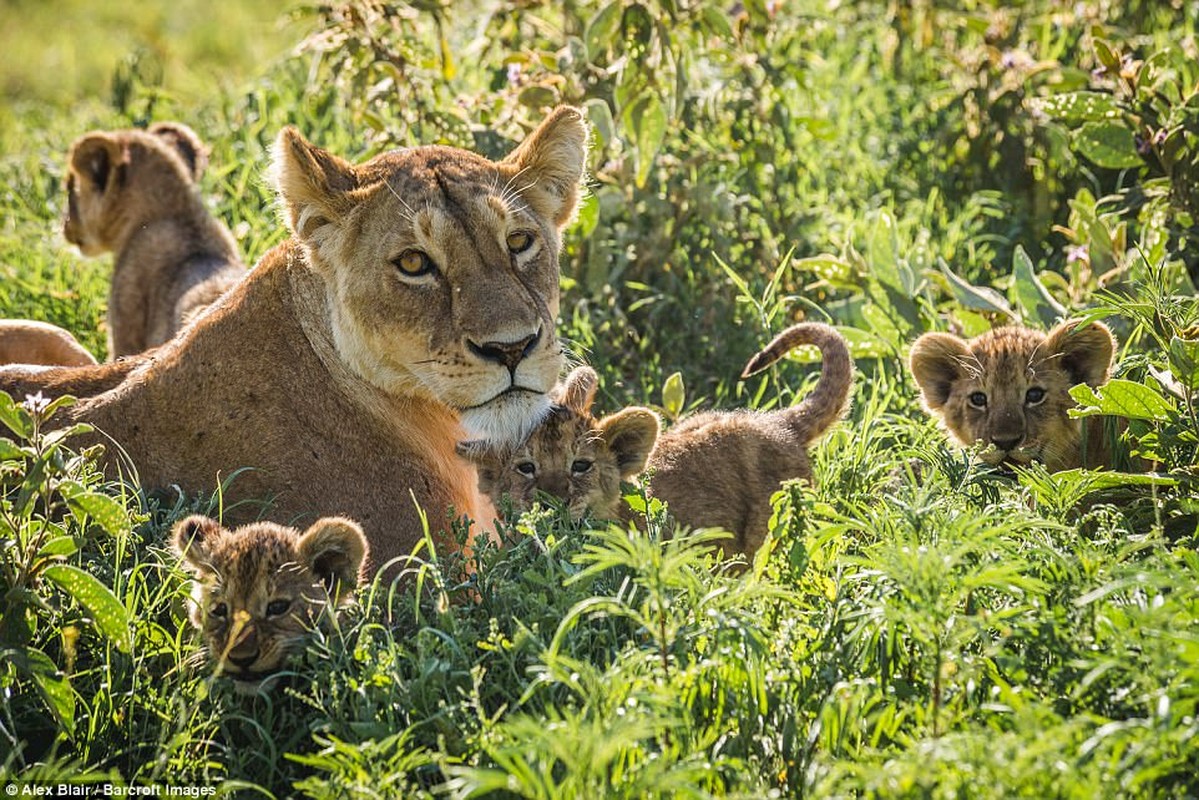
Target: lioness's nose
507	353
1006	444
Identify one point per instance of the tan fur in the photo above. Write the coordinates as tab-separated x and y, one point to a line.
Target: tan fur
25	341
134	193
716	469
1001	368
259	589
339	380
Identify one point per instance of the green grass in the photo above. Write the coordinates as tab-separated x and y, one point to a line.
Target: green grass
918	626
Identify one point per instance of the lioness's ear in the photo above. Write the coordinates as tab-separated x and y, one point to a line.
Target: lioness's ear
334	549
550	164
186	143
100	159
578	390
313	183
192	539
631	435
1084	352
936	362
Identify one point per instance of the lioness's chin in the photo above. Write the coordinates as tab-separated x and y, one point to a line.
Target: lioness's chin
506	420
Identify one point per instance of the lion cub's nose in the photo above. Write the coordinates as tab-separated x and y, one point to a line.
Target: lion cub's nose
243	662
1007	444
510	354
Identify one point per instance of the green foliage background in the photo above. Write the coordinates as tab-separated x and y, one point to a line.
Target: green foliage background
919	626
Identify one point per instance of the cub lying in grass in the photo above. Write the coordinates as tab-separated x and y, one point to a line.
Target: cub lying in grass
135	193
716	469
260	588
26	341
1009	389
413	306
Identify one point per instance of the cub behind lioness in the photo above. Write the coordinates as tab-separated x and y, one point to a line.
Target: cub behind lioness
134	193
716	469
26	341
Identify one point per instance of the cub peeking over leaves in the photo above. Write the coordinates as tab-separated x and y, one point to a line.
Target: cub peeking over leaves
1009	389
260	588
716	469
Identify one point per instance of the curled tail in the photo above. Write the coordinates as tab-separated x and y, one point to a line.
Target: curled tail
829	400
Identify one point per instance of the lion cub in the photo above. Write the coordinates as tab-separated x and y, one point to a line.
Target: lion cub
134	193
1009	389
261	587
26	341
716	469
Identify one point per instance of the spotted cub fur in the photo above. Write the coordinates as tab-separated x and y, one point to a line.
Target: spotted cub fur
714	470
1008	390
260	588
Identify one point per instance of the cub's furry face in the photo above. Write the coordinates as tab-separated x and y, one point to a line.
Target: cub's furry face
260	588
117	180
441	266
1009	388
571	455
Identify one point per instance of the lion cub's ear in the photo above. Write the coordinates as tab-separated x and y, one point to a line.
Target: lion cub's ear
99	159
937	361
550	161
631	435
1085	352
186	143
313	183
334	549
192	540
578	390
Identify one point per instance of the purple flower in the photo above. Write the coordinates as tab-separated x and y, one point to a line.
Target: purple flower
1077	252
514	74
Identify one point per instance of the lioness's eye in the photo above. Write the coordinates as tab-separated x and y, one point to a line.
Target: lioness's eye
978	399
415	263
520	241
220	610
527	468
1034	395
581	466
276	608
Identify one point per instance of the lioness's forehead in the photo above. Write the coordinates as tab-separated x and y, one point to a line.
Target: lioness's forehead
432	169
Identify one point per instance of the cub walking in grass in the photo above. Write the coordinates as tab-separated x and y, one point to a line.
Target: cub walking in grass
716	469
260	588
135	193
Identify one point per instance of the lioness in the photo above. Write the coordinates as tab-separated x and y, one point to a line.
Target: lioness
260	588
416	299
26	341
1008	390
134	193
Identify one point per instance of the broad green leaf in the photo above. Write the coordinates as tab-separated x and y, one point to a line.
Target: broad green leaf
587	219
1030	295
100	508
106	611
9	451
1123	399
884	251
1184	361
448	68
673	395
51	684
1074	108
59	546
601	33
15	418
827	267
537	96
983	298
1107	144
600	117
1106	55
646	118
65	401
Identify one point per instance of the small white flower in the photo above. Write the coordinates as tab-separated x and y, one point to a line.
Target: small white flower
36	403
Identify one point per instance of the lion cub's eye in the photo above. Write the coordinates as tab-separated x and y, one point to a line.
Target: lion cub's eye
220	611
519	241
415	263
527	468
581	467
978	399
277	608
1034	396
